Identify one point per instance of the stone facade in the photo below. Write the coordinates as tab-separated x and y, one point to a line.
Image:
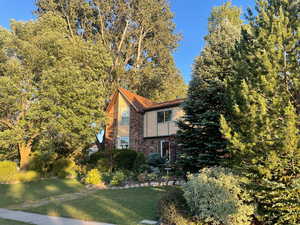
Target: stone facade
136	127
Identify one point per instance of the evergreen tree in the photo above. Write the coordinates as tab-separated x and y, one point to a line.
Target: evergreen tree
50	85
262	129
140	36
199	135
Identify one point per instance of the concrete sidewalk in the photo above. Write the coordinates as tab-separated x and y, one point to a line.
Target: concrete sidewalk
39	219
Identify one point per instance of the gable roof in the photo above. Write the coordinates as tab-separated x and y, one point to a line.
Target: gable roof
140	103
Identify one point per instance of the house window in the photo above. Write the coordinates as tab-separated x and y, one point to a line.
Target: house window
123	142
164	116
165	150
125	118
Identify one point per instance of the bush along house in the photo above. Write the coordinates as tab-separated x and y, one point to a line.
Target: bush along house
142	125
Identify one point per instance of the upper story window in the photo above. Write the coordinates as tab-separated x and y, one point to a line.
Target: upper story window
164	116
125	118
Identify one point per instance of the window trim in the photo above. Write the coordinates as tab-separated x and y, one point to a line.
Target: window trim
169	150
119	144
125	122
164	115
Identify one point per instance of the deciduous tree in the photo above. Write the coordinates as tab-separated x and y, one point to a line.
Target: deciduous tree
139	35
51	85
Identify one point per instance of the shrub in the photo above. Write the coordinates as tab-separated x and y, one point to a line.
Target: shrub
95	157
154	159
93	177
8	172
139	162
28	176
125	159
172	208
175	197
215	196
43	162
118	178
64	168
107	177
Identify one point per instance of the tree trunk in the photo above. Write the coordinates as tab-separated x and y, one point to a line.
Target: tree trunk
24	151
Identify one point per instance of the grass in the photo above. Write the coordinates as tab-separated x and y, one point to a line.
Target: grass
126	206
12	194
11	222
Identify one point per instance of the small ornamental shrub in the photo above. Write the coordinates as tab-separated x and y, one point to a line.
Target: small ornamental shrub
215	196
93	177
155	160
64	168
139	162
8	172
107	177
43	163
28	176
172	209
118	178
125	159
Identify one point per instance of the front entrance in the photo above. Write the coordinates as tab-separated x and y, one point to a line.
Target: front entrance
165	151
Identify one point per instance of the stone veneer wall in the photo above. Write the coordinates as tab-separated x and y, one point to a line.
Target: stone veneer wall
136	129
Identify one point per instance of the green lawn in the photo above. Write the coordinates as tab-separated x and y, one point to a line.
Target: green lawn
126	207
11	222
12	194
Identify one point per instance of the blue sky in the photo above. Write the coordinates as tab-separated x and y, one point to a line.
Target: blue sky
190	18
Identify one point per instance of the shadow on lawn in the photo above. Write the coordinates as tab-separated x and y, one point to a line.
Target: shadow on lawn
12	194
125	207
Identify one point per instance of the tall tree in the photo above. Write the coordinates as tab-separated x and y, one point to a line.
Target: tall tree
199	134
138	33
262	128
50	84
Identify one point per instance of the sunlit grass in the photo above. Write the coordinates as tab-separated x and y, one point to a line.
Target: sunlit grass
126	207
12	194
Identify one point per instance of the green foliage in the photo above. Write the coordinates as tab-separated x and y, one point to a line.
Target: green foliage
216	196
8	172
28	176
43	163
199	135
263	125
117	159
154	159
107	177
93	177
64	168
53	84
118	178
125	159
139	35
172	208
139	162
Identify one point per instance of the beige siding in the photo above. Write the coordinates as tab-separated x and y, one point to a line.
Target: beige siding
152	128
150	124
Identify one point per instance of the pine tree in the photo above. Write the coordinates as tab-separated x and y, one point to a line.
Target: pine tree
262	129
199	135
140	36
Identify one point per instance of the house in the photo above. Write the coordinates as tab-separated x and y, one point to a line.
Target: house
142	125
